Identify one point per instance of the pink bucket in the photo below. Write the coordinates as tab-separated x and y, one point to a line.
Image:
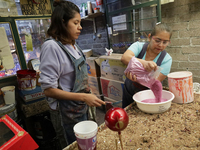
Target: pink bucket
181	85
26	79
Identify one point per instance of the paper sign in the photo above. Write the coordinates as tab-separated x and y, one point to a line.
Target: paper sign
119	19
29	44
6	58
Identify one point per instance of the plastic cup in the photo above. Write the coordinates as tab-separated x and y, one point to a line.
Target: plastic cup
9	94
86	135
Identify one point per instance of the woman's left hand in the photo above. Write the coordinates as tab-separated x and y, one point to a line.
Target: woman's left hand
131	77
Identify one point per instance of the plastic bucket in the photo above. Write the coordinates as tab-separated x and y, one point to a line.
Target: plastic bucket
26	79
10	110
86	135
9	94
181	85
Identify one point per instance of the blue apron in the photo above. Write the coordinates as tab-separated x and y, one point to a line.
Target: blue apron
73	112
130	87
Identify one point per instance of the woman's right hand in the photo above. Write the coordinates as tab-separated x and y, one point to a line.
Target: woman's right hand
149	65
92	100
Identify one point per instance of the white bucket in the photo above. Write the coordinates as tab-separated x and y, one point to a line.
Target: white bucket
9	94
181	85
86	134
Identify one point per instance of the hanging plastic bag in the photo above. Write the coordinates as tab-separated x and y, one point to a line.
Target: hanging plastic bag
143	77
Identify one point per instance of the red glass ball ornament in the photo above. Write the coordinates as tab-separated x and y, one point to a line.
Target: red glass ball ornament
116	119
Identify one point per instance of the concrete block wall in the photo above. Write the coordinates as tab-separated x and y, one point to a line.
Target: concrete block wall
86	39
183	16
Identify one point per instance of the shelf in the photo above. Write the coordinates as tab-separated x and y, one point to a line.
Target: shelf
91	16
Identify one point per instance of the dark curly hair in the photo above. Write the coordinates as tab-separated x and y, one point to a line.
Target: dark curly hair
63	12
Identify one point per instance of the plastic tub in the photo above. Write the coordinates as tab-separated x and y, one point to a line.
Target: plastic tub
153	107
26	79
10	110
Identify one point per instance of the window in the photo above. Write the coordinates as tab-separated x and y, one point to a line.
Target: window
130	21
25	35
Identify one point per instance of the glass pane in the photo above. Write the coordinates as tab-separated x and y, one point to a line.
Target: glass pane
139	23
10	8
5	72
5	133
32	35
144	19
121	42
114	5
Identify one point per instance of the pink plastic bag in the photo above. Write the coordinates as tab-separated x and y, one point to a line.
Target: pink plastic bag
143	77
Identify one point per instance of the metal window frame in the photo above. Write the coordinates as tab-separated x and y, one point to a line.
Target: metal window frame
16	37
129	9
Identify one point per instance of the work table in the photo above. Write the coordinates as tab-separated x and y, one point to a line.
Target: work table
177	128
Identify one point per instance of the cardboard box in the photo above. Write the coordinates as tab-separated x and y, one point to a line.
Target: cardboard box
31	95
87	52
114	102
93	66
112	89
12	136
112	67
95	85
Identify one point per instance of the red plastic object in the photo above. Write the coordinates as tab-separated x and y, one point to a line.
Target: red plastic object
20	139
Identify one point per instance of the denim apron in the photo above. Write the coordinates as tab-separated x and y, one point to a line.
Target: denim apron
130	87
71	112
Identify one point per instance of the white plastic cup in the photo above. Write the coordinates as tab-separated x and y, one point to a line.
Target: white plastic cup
86	134
9	94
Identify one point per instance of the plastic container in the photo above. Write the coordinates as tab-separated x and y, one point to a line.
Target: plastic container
96	10
10	110
153	107
86	134
89	6
181	85
100	5
9	94
26	79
